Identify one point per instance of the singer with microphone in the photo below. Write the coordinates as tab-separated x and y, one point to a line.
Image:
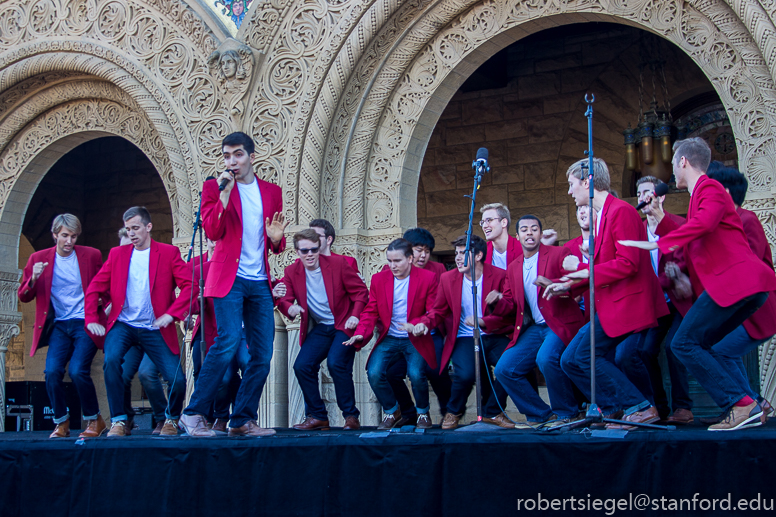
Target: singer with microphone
246	222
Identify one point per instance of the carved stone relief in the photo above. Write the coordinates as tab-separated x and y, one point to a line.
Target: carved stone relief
232	66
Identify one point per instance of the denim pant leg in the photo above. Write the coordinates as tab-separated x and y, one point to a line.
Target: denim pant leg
512	371
462	376
680	383
573	363
196	356
307	366
730	351
129	367
692	344
609	379
650	356
416	369
259	317
559	386
59	352
340	362
148	374
229	311
397	371
118	341
494	395
629	361
80	368
383	355
169	365
440	382
223	399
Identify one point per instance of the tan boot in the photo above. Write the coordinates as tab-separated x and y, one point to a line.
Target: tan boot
62	430
95	428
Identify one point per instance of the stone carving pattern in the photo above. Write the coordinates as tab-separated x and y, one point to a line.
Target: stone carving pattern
232	68
76	116
9	317
162	43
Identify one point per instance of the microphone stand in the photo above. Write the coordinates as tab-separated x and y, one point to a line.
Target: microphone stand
198	230
480	167
594	414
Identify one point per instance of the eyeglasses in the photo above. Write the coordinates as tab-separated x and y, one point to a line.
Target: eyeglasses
305	251
488	220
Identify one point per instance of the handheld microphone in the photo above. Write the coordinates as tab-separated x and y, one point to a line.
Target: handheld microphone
225	182
660	190
481	160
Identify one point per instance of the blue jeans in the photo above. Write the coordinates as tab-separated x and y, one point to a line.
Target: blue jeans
386	352
230	384
464	375
70	342
248	301
701	328
136	362
630	359
117	343
537	345
325	342
440	382
729	352
613	389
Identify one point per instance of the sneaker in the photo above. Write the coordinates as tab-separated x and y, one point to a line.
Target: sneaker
390	421
95	428
195	426
451	421
118	429
170	427
740	418
159	427
424	421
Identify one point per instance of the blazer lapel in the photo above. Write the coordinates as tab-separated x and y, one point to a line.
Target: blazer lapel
48	273
153	264
301	281
234	200
541	268
600	232
457	299
328	281
413	288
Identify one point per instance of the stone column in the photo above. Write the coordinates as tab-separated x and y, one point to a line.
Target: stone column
9	319
273	406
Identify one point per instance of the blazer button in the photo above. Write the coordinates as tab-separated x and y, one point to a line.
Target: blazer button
518	327
40	327
237	260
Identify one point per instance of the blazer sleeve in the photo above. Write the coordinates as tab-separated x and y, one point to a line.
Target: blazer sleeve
27	293
428	300
368	319
356	288
182	274
440	310
506	305
755	235
285	302
704	221
213	211
98	288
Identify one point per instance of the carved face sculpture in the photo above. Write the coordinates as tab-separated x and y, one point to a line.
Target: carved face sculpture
228	65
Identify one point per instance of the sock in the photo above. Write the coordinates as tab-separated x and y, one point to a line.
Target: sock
744	401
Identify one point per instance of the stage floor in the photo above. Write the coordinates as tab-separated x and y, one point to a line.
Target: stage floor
365	473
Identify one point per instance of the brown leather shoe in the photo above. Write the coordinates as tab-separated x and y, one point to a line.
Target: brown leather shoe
767	410
647	416
158	428
219	425
740	418
411	419
170	427
617	415
119	429
311	424
500	420
681	417
451	421
424	421
390	420
352	423
251	428
95	428
195	426
62	430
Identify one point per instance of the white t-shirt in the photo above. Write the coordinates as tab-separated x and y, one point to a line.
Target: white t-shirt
500	259
138	310
317	300
530	267
654	255
252	252
466	307
67	293
401	290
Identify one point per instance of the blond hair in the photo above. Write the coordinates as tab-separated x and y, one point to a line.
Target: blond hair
601	180
68	221
501	210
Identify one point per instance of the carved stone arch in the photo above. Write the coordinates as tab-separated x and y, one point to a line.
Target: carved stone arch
16	78
35	149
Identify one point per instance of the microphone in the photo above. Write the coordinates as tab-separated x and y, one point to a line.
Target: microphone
481	160
225	182
660	190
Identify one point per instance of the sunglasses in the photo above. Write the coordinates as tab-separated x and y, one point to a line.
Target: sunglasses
305	251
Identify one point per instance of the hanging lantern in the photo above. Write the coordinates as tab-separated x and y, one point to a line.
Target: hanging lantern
662	134
645	135
631	159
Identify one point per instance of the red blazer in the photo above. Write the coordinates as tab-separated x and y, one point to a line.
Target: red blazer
513	250
89	262
447	306
420	297
762	324
345	291
435	267
682	304
573	246
166	270
561	314
628	295
225	227
715	247
350	260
